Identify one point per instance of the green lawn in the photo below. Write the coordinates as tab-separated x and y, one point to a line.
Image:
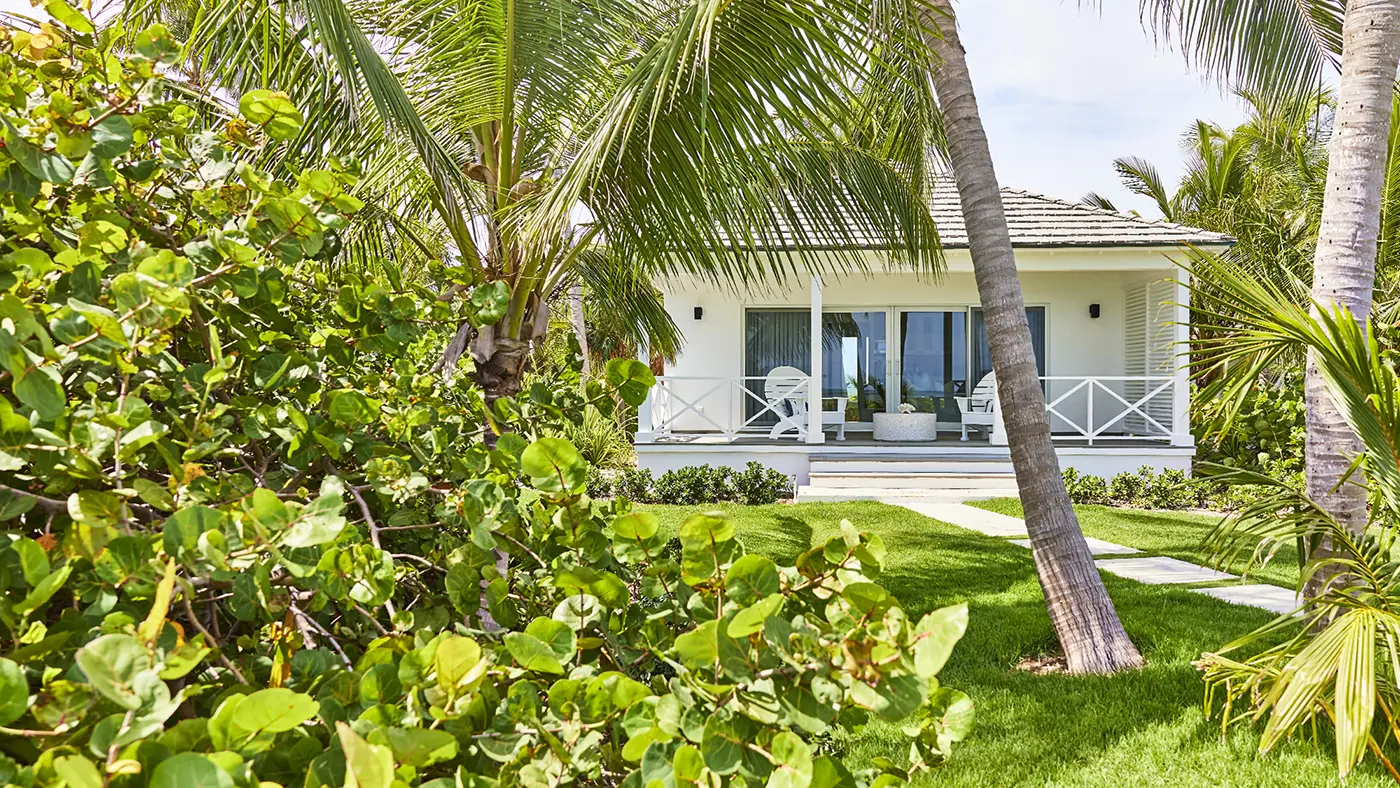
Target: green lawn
1144	728
1177	534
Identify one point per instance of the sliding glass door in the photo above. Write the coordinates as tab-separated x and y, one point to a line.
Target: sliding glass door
981	362
933	360
879	359
854	354
854	347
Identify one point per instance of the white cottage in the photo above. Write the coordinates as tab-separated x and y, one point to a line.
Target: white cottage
907	404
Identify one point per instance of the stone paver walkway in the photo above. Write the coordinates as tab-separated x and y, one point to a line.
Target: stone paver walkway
1161	570
1272	598
1096	546
969	517
1152	570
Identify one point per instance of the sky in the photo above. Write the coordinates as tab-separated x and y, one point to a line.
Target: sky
1064	90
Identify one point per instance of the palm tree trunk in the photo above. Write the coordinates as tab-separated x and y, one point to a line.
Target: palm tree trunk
1080	609
1344	265
580	328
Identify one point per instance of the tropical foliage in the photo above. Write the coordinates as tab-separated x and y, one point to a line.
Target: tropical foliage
251	540
1336	665
564	141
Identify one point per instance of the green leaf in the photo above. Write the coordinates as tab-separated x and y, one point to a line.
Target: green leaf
189	770
554	466
725	741
532	653
14	692
321	521
636	526
701	531
751	578
44	165
828	772
273	111
631	378
156	43
351	408
366	765
71	17
935	636
75	770
792	762
487	303
456	659
557	635
578	611
40	389
698	649
112	664
611	591
44	590
33	561
750	620
183	528
419	747
157	495
111	138
274	711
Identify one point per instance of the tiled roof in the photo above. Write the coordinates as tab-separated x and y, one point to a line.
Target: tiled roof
1036	220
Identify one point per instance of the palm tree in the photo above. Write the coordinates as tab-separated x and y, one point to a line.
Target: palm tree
1080	609
491	126
1261	183
1288	46
1338	668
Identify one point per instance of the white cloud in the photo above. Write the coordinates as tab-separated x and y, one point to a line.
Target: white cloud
1064	89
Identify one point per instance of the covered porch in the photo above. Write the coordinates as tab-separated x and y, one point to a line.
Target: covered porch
1106	335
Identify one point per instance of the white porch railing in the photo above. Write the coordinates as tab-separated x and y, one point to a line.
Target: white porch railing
680	406
1092	409
1114	408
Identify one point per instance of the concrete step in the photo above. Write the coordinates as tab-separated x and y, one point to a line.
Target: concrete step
923	480
896	453
964	465
809	493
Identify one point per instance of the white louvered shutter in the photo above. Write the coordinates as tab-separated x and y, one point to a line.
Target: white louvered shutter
1135	333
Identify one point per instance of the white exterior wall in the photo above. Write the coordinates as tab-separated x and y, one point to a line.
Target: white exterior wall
1065	282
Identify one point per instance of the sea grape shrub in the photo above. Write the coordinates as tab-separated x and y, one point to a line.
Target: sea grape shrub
252	539
755	485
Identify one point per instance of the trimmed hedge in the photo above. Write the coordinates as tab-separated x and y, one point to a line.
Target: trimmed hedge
695	484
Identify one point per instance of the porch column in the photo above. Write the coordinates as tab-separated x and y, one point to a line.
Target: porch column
814	380
1181	362
644	420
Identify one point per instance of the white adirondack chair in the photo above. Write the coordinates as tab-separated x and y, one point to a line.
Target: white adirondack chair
785	389
979	410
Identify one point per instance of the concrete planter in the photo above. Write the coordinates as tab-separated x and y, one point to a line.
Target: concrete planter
906	426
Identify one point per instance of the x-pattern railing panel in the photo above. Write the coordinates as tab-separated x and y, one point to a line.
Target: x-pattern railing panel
666	417
666	397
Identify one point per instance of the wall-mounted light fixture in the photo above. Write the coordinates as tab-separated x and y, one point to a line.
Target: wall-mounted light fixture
1093	311
699	312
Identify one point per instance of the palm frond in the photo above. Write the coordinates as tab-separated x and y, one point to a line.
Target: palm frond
1096	200
1274	47
1139	176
